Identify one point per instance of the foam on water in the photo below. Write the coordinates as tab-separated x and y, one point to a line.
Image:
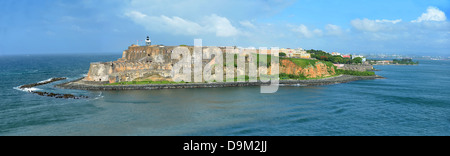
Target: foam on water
100	96
44	81
27	89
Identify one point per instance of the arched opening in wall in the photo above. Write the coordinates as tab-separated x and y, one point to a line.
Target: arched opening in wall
148	55
99	79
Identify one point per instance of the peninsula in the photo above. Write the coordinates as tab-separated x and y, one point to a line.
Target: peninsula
151	67
405	61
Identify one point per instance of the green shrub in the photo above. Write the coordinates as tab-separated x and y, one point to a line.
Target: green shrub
285	76
302	62
355	73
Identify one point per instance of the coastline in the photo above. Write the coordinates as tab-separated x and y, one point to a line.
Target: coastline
395	64
49	94
82	85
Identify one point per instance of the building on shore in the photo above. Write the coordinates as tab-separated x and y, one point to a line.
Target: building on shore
295	53
288	51
364	59
151	62
148	42
335	54
346	56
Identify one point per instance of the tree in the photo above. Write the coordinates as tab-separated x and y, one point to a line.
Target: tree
282	54
357	60
332	59
339	59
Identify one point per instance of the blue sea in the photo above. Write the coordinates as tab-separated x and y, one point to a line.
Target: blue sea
413	100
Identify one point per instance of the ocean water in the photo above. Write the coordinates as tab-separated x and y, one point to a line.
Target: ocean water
413	100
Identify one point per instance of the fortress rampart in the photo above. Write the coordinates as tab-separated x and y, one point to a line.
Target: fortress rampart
137	62
155	63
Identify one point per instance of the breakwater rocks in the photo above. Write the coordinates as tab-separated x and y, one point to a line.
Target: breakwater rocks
60	96
79	84
55	95
42	82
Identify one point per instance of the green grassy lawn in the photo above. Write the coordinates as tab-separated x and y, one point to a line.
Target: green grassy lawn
144	82
355	73
301	77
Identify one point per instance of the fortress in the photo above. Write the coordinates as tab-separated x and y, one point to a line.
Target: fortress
154	62
149	62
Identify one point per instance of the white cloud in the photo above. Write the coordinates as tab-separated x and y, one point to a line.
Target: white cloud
365	25
318	32
305	32
135	14
388	21
190	9
432	14
214	21
247	24
333	30
373	25
180	25
221	26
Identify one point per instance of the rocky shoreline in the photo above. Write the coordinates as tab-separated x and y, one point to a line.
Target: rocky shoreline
82	85
42	83
59	96
55	95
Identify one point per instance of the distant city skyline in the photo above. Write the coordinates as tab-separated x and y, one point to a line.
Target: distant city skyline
407	27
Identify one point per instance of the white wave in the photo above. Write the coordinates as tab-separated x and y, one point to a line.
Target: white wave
292	85
100	96
48	80
27	89
44	81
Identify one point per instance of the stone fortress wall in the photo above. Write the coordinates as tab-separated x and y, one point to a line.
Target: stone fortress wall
138	63
151	62
155	63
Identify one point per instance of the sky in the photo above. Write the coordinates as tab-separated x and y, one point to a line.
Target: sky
410	27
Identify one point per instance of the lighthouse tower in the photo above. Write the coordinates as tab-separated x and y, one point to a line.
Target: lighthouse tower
148	42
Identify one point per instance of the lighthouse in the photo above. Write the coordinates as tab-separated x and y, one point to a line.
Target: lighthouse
148	42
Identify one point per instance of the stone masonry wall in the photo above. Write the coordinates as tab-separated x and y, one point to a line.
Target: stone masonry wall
155	63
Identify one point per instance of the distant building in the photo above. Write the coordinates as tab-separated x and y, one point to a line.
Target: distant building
346	56
300	53
297	53
289	52
362	57
384	62
148	42
355	56
335	54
